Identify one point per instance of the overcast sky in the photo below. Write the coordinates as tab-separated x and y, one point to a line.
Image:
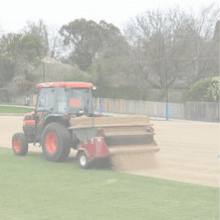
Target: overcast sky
15	13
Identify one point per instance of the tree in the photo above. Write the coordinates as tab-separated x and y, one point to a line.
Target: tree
216	47
171	46
38	29
87	39
21	51
99	70
7	68
57	48
1	31
113	66
25	88
81	78
206	90
216	33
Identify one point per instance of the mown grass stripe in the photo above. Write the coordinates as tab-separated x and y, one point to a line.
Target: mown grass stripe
15	110
32	188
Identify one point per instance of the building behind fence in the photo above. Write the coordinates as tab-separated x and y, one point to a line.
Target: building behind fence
194	111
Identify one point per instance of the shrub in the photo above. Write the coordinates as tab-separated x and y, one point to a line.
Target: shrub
126	92
206	90
25	87
105	89
81	78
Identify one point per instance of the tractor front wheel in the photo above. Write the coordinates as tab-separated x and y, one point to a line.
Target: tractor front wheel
19	144
82	160
56	142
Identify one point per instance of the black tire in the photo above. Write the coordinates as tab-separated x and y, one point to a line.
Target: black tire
82	160
56	142
19	144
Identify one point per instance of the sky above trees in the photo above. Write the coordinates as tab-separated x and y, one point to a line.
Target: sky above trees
14	14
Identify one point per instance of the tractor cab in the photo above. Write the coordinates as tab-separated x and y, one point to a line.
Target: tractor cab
58	102
69	98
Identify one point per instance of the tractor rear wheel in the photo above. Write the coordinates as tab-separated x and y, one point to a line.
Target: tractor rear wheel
56	142
19	144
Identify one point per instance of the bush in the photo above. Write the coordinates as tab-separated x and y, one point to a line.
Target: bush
126	92
206	90
29	76
81	78
25	87
106	90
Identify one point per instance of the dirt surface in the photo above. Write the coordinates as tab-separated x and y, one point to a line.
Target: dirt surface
143	161
189	151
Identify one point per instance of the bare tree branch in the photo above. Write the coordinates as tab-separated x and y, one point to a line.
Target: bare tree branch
173	35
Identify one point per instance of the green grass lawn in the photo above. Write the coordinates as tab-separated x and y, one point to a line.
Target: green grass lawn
12	104
12	109
32	188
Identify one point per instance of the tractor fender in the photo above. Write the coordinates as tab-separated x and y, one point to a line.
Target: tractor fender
83	149
56	118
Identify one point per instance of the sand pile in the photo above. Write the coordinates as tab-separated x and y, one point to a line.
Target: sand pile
133	161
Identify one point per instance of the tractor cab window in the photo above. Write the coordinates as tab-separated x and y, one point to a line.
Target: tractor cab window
80	100
61	99
45	100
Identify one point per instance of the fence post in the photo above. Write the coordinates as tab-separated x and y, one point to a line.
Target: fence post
100	106
167	111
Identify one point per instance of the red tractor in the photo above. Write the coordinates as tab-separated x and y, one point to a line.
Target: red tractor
64	119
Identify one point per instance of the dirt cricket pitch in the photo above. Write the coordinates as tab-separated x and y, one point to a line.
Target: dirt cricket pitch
189	151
